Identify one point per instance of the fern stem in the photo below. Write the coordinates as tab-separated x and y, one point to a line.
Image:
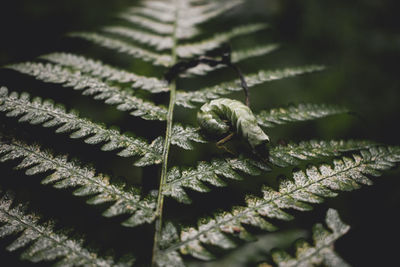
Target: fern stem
167	143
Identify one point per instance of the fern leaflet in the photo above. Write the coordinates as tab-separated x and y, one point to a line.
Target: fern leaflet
294	113
124	47
70	174
321	253
100	70
219	169
124	100
189	99
237	56
308	186
196	49
47	244
47	114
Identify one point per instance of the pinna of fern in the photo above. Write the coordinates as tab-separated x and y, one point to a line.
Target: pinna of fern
162	33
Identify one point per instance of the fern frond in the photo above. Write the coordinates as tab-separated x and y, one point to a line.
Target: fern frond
88	183
45	113
214	171
189	99
124	47
292	154
208	172
196	14
111	95
150	24
45	243
208	11
154	40
322	253
196	49
98	69
181	136
309	186
160	18
295	113
237	56
257	51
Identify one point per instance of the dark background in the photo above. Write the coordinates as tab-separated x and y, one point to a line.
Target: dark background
359	41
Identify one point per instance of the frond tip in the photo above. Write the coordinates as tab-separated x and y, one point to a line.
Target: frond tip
321	253
46	243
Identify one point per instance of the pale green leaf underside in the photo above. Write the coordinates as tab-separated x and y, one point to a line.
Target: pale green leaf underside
184	50
322	252
237	56
86	180
218	169
160	17
293	154
201	47
111	95
300	112
208	172
309	186
97	69
42	242
189	14
125	47
190	99
156	41
45	113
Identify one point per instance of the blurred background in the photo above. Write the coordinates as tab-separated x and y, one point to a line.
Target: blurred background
359	41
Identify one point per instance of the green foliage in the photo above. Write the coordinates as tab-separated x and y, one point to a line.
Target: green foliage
45	244
156	35
309	186
87	181
322	252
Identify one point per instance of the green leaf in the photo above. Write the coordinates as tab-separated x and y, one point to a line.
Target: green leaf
98	69
154	40
293	154
111	95
124	47
309	186
45	243
190	99
300	112
322	253
181	136
86	180
160	17
236	56
199	48
208	172
45	113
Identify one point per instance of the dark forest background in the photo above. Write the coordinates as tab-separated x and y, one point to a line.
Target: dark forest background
359	41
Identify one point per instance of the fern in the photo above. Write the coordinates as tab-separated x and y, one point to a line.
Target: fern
47	244
71	174
215	171
100	70
92	86
309	186
188	99
160	34
322	252
45	113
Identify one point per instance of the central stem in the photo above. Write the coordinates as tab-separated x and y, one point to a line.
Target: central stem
167	143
